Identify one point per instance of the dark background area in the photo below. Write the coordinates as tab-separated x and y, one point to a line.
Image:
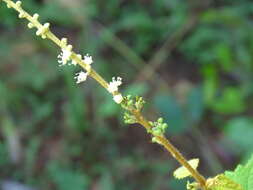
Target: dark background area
191	61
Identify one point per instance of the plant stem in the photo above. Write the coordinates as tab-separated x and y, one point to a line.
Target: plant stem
171	149
140	118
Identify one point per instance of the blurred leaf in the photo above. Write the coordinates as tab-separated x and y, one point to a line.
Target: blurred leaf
108	107
51	12
231	101
224	15
244	56
195	105
136	20
201	46
31	154
66	179
237	126
3	97
136	89
31	5
172	113
177	184
106	182
12	137
41	109
4	160
7	17
75	108
224	56
5	48
36	72
161	167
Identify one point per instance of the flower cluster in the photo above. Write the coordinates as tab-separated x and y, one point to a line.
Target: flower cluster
41	29
113	89
87	59
81	76
133	103
67	56
129	118
158	129
114	84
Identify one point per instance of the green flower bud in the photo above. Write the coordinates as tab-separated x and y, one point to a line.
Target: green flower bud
130	102
129	118
160	120
157	132
164	126
151	123
154	140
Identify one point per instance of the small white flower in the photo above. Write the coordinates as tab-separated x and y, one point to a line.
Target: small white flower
81	76
118	98
64	56
113	86
88	59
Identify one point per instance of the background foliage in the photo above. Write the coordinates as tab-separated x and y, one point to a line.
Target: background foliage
192	61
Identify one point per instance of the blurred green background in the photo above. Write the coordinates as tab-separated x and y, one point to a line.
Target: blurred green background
191	60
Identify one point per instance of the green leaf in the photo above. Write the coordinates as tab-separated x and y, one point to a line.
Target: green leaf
243	175
222	182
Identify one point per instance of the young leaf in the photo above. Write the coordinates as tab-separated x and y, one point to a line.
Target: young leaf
182	172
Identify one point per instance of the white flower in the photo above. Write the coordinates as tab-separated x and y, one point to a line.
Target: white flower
88	59
118	98
81	76
65	55
113	86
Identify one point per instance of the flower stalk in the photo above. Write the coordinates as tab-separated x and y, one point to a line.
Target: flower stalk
156	129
